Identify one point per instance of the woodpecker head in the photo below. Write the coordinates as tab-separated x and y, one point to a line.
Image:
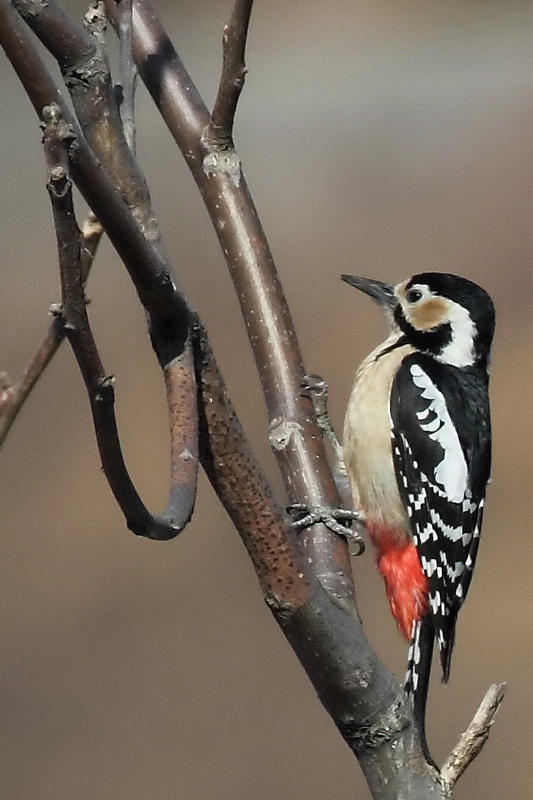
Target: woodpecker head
442	315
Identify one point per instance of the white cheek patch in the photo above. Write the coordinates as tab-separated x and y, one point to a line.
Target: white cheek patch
452	472
460	351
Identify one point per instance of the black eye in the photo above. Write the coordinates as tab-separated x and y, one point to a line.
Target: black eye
413	295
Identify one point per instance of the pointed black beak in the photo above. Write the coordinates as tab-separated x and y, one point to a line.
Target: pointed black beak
381	292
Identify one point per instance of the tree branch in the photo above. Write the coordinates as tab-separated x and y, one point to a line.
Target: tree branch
363	698
472	740
171	335
241	486
144	265
85	70
73	315
15	394
220	130
157	291
294	436
128	72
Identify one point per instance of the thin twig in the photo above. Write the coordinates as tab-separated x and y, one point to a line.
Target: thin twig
15	393
472	740
220	130
73	313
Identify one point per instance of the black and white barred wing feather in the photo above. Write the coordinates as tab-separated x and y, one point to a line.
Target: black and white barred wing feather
442	484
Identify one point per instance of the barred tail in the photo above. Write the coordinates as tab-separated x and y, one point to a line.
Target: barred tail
418	673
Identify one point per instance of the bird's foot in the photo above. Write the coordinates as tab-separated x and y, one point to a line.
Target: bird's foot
337	520
316	388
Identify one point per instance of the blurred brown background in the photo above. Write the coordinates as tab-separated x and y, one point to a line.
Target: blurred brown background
378	138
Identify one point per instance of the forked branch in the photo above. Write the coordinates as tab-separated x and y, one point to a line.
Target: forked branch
13	394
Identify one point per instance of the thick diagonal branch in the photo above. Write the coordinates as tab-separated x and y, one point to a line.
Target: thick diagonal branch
295	437
364	699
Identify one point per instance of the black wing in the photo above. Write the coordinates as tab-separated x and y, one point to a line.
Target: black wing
441	453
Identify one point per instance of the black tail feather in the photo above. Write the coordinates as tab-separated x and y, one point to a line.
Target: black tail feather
417	678
447	650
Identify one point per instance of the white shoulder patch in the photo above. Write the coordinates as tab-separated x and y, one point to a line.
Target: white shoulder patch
452	472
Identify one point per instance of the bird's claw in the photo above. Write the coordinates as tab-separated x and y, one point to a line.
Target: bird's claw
313	385
303	516
316	388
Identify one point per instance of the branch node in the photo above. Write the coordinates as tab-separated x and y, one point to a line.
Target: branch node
5	382
222	159
281	431
391	722
56	310
105	392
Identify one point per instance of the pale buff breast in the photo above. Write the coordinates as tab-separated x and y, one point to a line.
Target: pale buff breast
367	438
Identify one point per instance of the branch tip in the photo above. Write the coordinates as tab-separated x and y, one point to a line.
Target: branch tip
220	129
472	740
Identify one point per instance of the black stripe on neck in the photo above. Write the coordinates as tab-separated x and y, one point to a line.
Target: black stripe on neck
398	343
432	341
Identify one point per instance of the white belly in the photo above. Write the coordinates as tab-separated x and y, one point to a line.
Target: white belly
367	438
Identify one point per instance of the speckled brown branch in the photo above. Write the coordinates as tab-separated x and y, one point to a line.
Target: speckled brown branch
241	486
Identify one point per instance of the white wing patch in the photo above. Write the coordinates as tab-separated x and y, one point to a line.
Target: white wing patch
452	472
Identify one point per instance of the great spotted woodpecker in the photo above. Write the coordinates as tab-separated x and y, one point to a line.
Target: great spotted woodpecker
417	452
